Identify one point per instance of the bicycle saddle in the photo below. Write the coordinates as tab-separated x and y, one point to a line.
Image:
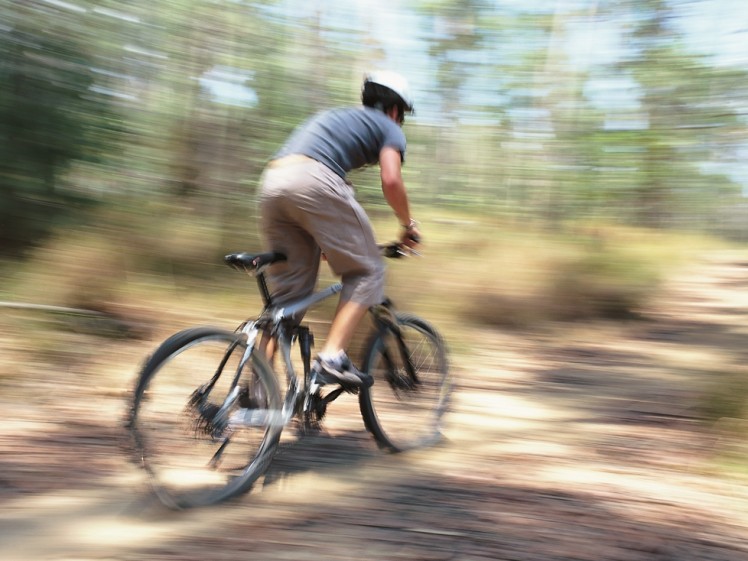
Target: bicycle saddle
253	261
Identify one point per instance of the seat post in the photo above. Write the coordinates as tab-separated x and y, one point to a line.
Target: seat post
263	286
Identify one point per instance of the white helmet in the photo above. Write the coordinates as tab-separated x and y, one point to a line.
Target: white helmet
395	82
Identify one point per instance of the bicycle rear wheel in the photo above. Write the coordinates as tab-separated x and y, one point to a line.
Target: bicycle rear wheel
194	455
404	407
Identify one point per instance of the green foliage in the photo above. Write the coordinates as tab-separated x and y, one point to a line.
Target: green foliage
182	103
685	121
48	117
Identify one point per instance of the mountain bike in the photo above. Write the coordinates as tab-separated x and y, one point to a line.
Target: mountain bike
208	411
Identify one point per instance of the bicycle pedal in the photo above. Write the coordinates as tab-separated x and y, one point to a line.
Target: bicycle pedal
340	387
323	380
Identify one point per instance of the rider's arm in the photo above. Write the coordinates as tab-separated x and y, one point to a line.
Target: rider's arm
393	188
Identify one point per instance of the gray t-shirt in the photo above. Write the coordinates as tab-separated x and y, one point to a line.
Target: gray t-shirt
345	139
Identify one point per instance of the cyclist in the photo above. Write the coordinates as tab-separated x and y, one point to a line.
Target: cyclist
308	208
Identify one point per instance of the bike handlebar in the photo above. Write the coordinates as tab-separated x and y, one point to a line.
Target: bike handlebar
396	250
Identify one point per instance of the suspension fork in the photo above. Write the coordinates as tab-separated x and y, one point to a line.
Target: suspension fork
386	322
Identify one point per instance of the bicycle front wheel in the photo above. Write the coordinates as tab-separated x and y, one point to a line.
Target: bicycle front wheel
404	407
201	437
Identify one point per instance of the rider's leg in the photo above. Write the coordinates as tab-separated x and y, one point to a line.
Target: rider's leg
333	363
347	317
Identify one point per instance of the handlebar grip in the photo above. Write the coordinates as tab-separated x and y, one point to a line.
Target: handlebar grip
392	251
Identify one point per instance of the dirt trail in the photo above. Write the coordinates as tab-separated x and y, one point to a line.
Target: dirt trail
583	444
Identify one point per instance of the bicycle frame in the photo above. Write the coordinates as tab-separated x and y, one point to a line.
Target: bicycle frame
280	323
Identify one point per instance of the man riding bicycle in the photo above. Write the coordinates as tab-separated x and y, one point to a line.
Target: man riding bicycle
309	208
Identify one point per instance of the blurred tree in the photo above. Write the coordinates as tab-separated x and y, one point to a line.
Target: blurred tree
459	36
686	121
49	116
207	91
540	147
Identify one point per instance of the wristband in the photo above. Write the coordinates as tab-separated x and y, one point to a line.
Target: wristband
410	225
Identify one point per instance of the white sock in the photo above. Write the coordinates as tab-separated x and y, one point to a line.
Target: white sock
335	357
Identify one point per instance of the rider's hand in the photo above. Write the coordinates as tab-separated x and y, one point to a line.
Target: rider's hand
411	237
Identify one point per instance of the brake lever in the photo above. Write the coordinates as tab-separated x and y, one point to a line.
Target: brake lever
395	250
410	252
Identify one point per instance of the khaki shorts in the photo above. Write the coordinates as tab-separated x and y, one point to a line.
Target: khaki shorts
306	209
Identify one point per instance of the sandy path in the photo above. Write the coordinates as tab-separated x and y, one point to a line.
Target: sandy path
583	444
